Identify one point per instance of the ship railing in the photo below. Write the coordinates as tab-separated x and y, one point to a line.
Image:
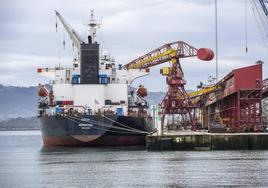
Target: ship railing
46	69
62	81
70	110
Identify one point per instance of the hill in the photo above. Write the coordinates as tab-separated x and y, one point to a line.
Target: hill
22	101
17	102
19	123
18	106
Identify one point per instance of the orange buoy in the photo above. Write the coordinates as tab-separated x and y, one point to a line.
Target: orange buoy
205	54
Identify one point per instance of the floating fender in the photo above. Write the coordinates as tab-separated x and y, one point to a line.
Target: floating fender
205	54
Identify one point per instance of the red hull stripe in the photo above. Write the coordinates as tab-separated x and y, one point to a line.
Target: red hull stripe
102	141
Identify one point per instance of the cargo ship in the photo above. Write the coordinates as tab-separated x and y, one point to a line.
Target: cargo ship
92	103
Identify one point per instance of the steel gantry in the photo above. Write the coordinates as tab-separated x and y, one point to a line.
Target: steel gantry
176	100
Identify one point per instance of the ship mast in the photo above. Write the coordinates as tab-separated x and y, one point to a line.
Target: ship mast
93	26
75	37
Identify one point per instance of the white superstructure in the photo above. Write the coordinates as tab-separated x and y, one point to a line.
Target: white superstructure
112	91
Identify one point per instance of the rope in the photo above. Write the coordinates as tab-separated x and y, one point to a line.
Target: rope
107	125
122	124
127	127
107	130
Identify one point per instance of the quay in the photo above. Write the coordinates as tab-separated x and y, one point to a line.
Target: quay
204	141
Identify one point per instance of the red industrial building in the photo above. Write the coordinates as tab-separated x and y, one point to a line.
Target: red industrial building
237	100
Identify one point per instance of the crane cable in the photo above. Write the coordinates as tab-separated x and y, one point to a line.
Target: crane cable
59	38
246	25
262	30
56	24
263	20
63	41
216	40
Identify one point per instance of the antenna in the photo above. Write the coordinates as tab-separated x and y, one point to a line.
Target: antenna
93	26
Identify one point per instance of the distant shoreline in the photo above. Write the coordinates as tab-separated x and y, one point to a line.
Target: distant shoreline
20	124
19	129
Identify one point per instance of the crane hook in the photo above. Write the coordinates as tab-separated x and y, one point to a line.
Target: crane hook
56	24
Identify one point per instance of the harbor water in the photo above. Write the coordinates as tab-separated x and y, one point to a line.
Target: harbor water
24	162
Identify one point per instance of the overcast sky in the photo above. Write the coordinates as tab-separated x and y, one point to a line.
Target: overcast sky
130	28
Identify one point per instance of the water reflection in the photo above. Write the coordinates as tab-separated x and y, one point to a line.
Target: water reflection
60	149
24	162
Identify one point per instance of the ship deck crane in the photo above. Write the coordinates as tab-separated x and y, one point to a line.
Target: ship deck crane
72	33
176	100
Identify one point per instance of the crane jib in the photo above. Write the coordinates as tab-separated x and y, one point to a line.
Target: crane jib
167	52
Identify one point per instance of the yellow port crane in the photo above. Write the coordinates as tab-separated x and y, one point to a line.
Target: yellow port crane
140	63
163	54
202	91
176	100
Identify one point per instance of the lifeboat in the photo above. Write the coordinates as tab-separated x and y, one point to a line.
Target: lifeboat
142	91
42	92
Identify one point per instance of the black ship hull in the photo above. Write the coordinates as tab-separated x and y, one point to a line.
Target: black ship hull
94	130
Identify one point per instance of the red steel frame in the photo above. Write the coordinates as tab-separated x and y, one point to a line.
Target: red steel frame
241	110
176	100
181	48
